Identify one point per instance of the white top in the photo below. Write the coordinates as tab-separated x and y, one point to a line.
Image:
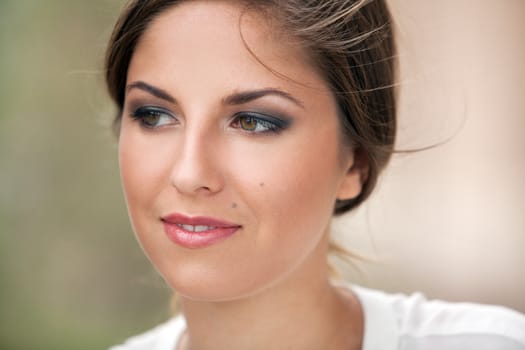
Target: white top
395	321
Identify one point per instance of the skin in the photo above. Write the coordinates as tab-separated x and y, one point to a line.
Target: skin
268	283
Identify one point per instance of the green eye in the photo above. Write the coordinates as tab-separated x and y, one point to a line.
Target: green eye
257	123
153	117
248	123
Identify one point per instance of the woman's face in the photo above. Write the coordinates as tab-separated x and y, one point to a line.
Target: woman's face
212	141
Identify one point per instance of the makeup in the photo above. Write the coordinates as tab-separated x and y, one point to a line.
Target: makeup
197	232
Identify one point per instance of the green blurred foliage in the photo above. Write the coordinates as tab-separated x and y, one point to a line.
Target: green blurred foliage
71	274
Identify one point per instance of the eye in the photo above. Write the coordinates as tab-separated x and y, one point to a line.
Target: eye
153	117
258	123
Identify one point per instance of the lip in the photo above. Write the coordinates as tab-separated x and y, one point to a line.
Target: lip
206	231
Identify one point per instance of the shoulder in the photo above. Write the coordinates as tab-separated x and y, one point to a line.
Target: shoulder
162	337
413	322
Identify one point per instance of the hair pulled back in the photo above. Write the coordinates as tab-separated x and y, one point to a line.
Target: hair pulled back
350	42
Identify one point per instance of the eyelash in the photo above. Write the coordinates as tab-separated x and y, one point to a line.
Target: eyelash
141	113
271	125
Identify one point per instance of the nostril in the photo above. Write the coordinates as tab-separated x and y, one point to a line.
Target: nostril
204	189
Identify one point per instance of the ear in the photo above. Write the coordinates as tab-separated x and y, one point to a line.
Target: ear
357	168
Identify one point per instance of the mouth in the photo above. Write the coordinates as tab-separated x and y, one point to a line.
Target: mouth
197	228
197	232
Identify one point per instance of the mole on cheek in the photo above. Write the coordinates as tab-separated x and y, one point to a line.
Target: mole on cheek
234	205
261	184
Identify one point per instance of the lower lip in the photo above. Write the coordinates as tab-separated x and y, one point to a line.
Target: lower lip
190	239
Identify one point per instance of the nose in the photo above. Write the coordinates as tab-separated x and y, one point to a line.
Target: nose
196	168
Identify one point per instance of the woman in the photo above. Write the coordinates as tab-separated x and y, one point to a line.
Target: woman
243	127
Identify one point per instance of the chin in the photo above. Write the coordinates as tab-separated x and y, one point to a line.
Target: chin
198	283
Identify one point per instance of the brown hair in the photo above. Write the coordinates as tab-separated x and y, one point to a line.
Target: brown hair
350	42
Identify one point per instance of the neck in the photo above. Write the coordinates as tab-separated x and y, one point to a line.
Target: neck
302	312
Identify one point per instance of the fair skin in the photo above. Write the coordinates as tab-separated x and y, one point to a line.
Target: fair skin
185	147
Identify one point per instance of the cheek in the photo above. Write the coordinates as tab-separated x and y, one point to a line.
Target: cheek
296	176
289	190
143	170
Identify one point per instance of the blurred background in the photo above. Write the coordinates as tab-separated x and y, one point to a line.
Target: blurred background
449	221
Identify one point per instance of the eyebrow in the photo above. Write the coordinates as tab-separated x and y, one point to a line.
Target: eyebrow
237	98
155	91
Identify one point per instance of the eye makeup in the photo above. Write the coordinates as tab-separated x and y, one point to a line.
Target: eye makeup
255	120
152	117
259	123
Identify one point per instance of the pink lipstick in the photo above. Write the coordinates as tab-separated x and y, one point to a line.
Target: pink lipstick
197	231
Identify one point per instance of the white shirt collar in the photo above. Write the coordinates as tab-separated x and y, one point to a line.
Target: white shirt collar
381	330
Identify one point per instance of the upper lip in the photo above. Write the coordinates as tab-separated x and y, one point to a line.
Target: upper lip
181	219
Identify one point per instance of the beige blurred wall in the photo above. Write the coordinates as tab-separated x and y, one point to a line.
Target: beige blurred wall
450	221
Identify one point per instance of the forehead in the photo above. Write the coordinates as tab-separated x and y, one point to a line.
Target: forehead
200	39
